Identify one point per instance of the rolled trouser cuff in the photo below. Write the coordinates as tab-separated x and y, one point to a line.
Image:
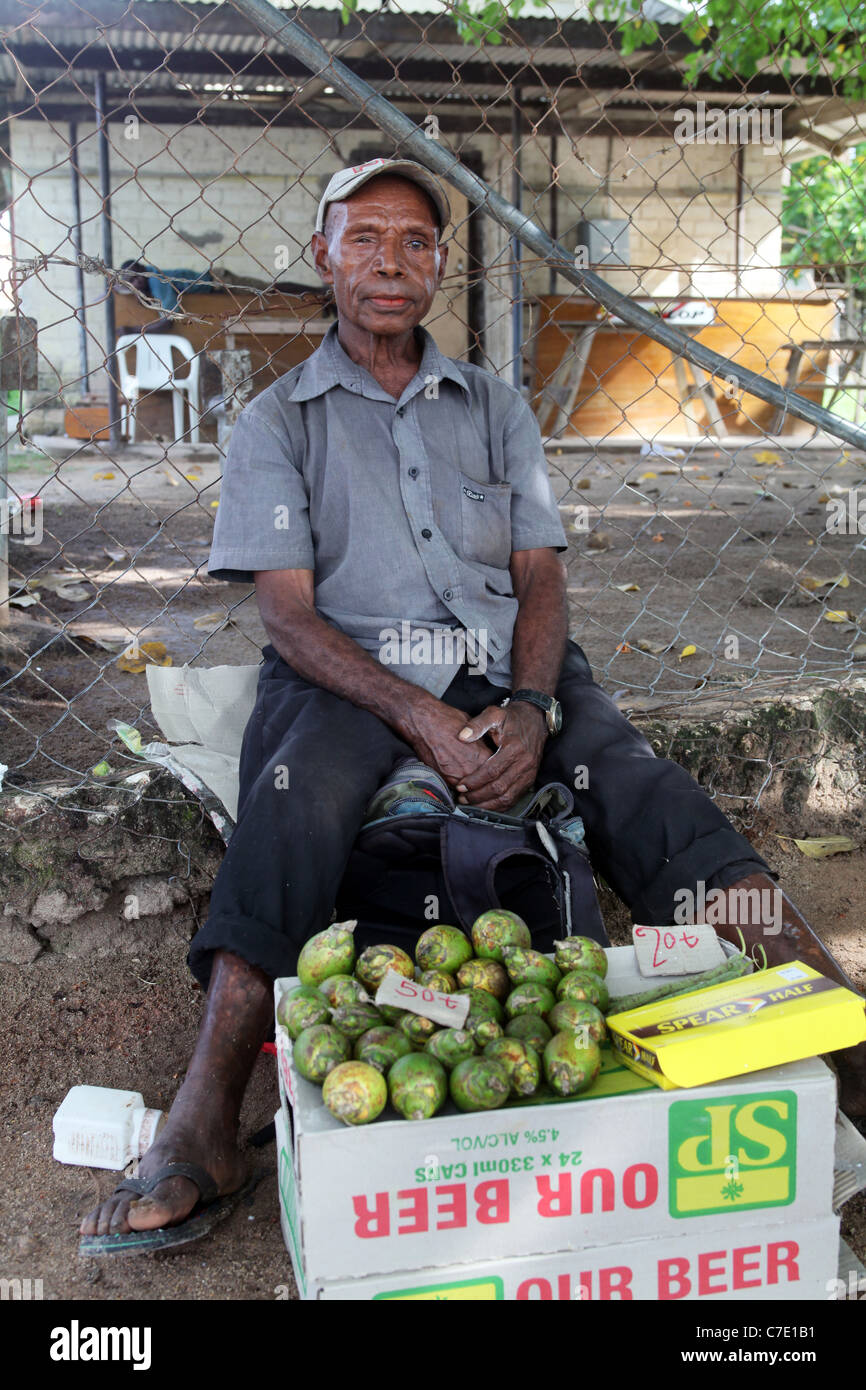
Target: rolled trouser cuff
259	945
717	860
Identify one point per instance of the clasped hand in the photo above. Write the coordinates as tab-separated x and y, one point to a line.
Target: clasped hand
445	739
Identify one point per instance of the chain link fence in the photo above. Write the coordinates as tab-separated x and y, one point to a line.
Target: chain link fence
161	167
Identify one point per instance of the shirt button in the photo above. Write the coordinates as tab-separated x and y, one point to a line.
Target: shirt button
426	533
448	594
400	412
413	472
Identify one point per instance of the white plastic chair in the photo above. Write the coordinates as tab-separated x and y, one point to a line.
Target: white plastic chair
156	370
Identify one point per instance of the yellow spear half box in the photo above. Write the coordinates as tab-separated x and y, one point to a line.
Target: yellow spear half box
774	1016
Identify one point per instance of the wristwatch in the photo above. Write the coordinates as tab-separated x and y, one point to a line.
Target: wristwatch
551	707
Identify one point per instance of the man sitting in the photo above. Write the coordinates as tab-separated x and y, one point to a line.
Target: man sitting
376	484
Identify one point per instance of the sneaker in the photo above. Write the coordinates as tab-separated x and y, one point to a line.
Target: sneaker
411	789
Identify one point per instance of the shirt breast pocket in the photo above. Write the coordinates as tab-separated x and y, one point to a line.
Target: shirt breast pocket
485	510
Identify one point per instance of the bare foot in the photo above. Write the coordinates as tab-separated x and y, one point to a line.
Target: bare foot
193	1134
202	1125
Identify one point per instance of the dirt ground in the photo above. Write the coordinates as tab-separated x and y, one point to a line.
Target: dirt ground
679	552
727	563
131	1023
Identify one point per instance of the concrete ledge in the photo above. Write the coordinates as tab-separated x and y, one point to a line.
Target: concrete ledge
92	869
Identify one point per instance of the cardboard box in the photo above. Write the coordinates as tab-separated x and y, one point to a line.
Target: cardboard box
595	1171
772	1017
780	1261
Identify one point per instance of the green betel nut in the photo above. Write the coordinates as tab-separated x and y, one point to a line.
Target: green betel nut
581	953
530	1028
578	1016
299	1012
520	1060
329	952
373	963
529	967
355	1019
381	1047
450	1046
483	1029
355	1092
488	975
570	1065
479	1083
417	1085
493	930
481	1001
581	984
439	980
417	1029
530	999
318	1050
340	990
442	948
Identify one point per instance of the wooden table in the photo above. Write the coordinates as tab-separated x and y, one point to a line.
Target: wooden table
851	353
562	389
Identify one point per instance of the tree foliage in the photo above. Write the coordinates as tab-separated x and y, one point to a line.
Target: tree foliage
824	215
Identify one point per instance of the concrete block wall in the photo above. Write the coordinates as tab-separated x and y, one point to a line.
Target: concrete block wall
236	198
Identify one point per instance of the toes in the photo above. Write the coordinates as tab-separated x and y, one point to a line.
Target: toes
167	1205
106	1215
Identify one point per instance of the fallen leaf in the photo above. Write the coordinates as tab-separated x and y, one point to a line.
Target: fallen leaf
211	622
654	648
102	769
73	592
811	582
859	652
688	651
175	482
659	537
643	477
822	846
599	540
214	504
628	588
196	477
623	647
116	555
766	456
83	634
584	484
25	600
838	615
103	477
703	478
52	579
130	736
137	657
824	497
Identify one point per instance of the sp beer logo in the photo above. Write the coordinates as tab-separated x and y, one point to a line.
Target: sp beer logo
732	1154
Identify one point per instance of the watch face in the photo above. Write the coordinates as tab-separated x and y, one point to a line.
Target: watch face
554	717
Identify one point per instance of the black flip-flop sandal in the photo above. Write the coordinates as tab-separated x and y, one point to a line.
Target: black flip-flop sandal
208	1211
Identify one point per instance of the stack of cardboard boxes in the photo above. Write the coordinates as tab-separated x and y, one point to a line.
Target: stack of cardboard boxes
723	1191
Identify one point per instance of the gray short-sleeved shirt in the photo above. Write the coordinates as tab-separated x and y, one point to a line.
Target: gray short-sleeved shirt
406	511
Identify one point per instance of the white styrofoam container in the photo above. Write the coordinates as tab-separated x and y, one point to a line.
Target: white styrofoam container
395	1195
778	1260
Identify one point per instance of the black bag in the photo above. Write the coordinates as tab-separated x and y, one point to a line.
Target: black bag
408	872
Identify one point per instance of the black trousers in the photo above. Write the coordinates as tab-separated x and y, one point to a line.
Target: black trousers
311	762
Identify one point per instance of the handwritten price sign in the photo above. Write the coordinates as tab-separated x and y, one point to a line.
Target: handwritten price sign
676	950
449	1010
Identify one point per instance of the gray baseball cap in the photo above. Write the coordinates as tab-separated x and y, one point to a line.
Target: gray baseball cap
347	181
